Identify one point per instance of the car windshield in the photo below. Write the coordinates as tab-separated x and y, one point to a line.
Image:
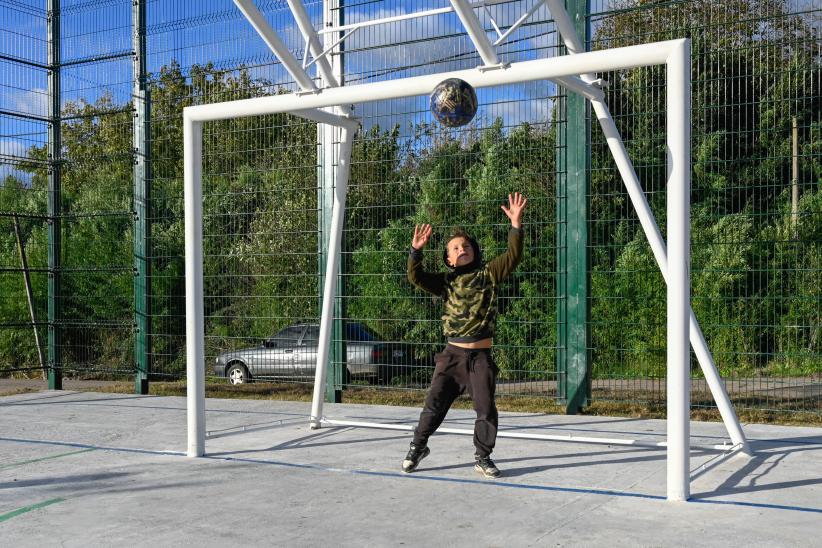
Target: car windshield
312	335
356	333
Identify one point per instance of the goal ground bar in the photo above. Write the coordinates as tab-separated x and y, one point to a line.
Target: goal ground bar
568	438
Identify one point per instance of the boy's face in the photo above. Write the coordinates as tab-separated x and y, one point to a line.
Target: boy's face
460	251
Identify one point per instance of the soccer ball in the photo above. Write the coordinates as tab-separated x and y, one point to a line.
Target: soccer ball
453	102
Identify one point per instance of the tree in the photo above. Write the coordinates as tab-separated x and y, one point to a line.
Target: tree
750	75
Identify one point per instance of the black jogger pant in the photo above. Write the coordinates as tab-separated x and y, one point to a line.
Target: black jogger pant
457	370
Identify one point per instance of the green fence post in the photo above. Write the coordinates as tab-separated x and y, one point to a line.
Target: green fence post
573	257
329	139
142	196
55	350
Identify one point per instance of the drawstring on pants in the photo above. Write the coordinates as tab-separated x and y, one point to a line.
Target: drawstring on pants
472	358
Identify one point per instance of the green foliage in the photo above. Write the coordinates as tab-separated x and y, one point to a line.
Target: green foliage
463	184
755	269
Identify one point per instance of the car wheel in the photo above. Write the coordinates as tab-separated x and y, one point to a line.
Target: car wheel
386	373
237	373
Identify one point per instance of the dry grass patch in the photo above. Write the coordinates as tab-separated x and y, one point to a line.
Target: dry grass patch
637	404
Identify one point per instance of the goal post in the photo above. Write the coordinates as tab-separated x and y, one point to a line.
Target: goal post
678	198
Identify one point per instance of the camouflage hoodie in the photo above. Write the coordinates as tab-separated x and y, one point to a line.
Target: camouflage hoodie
470	291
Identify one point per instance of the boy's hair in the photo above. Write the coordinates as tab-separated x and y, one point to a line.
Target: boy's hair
460	233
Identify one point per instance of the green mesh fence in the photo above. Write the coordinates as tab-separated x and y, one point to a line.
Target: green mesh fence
755	216
756	219
22	207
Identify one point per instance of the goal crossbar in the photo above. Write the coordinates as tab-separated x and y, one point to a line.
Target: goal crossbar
526	71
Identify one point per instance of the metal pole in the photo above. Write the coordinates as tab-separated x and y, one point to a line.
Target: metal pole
195	334
328	144
404	17
573	257
329	139
475	31
55	349
487	50
325	135
275	44
679	280
331	270
142	200
530	435
29	294
567	30
331	78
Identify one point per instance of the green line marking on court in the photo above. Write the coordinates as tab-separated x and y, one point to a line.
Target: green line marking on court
24	509
21	463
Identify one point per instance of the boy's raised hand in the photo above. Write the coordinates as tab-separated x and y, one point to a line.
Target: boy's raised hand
422	233
516	203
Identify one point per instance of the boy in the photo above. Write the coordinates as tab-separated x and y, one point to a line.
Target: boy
469	292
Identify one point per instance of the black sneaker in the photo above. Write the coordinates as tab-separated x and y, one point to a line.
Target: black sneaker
486	467
415	454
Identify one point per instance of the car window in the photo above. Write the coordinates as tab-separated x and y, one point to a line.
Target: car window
312	335
289	335
357	332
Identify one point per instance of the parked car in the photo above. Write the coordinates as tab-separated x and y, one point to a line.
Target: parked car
292	353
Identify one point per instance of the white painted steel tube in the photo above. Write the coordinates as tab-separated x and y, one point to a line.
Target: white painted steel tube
716	386
569	438
195	335
565	26
331	270
272	40
475	31
500	434
632	185
580	86
314	45
524	17
567	31
324	117
406	16
626	169
328	49
385	20
323	65
526	71
678	88
657	244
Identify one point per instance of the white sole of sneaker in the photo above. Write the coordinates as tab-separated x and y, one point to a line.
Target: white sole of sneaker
407	469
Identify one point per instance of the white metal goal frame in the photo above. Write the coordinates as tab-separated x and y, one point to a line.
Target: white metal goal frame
575	72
